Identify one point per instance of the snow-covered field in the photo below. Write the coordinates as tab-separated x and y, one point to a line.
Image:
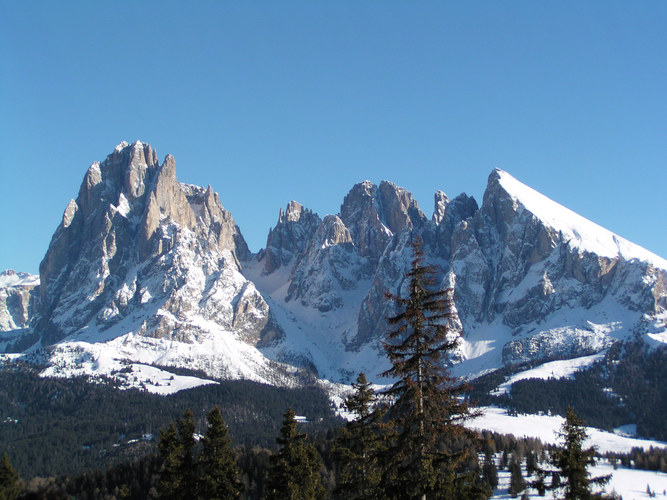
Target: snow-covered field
554	369
545	428
628	483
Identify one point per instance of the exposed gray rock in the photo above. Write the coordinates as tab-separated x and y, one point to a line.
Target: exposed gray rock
138	253
18	299
291	236
329	266
374	214
396	258
440	202
136	235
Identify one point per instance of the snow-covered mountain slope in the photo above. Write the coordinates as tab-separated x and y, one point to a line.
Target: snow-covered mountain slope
18	302
575	229
526	291
559	369
546	427
531	279
146	269
143	268
11	278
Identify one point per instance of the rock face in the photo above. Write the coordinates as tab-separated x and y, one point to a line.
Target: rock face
373	214
140	251
522	258
289	239
329	266
147	269
18	299
545	281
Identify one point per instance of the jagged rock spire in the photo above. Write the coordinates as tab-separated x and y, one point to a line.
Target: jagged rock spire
130	211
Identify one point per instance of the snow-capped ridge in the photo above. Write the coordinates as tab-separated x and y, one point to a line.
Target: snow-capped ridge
580	232
9	277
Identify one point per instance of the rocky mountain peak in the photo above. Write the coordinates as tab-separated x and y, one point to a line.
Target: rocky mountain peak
373	214
292	214
142	257
18	301
331	232
290	237
328	268
440	202
130	210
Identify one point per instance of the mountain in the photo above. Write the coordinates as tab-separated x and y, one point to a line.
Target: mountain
18	302
146	270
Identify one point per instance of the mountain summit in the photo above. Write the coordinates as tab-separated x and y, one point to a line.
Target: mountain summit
146	270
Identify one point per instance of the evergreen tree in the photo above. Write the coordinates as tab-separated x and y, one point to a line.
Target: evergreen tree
531	463
10	480
427	410
219	471
539	484
517	482
490	472
177	475
504	460
359	446
573	461
169	482
294	471
186	436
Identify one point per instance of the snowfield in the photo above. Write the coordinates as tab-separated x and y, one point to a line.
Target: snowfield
581	232
629	483
11	278
545	428
553	370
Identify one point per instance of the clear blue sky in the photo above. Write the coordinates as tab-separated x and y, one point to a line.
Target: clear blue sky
274	101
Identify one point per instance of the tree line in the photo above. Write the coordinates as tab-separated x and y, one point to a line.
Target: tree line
625	386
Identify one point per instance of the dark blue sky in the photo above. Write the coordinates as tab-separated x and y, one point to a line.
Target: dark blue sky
274	101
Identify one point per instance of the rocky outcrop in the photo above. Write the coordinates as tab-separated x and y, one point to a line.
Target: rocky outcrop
290	238
396	257
373	214
333	256
330	266
513	264
440	202
18	299
136	242
510	263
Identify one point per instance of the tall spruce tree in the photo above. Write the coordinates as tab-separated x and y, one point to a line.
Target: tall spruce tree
177	478
10	480
426	459
186	436
169	481
218	469
360	445
490	472
517	482
294	471
573	461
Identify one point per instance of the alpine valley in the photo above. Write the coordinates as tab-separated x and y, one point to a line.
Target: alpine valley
145	275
